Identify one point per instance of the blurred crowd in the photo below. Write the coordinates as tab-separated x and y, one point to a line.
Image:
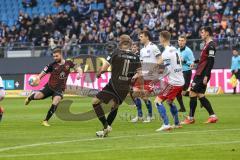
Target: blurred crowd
82	24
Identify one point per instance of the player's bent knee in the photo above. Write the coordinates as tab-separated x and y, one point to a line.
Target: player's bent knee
145	98
192	94
200	95
95	100
56	100
158	100
136	94
169	102
38	95
183	93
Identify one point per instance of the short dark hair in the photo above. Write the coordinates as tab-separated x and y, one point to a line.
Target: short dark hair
136	44
235	48
57	50
166	35
146	33
208	29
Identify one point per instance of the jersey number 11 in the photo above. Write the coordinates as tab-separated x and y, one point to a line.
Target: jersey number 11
125	67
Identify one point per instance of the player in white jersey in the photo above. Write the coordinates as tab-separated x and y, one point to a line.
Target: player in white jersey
148	57
173	67
2	95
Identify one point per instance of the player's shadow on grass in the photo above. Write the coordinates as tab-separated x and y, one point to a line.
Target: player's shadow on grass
64	112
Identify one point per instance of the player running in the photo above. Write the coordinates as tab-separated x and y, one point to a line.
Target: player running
148	57
172	62
2	95
187	59
55	87
124	69
201	78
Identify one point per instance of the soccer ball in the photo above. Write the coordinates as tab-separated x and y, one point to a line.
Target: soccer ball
33	81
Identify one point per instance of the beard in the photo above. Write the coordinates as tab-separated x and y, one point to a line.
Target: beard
57	60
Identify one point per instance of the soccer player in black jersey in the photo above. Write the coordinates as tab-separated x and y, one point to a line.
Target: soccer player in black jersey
59	71
201	78
124	65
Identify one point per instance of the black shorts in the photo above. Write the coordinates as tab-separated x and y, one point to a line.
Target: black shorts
109	93
237	74
47	91
197	85
187	77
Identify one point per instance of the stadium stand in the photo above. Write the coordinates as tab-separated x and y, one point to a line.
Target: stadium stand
98	21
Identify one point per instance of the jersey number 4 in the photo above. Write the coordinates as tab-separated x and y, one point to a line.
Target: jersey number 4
125	67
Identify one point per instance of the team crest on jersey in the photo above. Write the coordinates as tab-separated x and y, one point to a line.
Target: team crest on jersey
62	75
67	67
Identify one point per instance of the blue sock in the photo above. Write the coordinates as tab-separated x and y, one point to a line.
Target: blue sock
174	113
149	107
139	106
163	113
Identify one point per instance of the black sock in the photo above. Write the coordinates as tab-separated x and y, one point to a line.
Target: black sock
31	97
1	114
186	94
180	101
112	115
51	112
100	114
193	106
207	105
234	90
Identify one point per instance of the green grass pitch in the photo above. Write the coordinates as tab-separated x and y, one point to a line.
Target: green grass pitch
22	137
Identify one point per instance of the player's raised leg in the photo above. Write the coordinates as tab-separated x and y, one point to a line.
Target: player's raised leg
34	96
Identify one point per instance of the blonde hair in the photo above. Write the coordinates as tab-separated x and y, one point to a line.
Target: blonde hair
125	41
166	35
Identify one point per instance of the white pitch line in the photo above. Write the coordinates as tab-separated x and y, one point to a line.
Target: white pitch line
118	137
125	148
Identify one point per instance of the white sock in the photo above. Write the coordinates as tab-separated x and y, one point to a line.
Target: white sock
190	118
213	116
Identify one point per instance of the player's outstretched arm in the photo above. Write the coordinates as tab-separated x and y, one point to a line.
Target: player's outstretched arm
41	75
79	71
103	69
138	74
45	71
